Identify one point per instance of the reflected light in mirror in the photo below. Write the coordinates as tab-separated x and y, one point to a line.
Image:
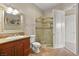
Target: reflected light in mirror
15	12
9	10
12	11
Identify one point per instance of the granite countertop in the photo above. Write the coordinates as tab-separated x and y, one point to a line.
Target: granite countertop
13	38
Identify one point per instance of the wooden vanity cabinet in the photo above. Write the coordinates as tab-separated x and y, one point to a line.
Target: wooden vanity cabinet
19	47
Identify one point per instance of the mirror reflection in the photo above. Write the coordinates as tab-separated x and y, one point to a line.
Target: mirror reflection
12	19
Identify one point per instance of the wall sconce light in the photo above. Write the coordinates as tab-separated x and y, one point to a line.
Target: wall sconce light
15	12
9	10
12	11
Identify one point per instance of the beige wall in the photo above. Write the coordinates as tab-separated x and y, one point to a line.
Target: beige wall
32	13
1	19
48	13
71	11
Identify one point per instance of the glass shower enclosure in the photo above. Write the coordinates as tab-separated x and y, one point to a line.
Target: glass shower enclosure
44	31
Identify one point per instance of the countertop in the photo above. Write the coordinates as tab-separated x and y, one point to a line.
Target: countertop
13	38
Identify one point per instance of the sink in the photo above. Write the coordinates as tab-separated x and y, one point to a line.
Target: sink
12	38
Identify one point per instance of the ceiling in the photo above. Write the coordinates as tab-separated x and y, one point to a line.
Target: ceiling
46	6
49	6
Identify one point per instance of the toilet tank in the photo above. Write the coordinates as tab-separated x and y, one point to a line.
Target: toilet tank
32	38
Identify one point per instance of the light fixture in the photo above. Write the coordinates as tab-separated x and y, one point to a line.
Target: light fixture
12	11
9	10
15	12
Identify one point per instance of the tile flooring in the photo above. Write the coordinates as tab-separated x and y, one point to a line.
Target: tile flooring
53	52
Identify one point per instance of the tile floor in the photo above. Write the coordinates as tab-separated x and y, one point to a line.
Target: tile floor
53	52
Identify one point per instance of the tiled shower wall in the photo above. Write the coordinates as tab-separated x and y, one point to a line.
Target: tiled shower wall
44	34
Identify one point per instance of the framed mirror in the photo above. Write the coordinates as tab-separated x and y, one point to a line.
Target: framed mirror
13	22
10	22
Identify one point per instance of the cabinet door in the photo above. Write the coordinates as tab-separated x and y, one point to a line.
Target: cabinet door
9	51
17	48
27	51
26	46
26	43
20	49
23	47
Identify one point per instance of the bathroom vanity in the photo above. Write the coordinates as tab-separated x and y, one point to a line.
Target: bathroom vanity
15	47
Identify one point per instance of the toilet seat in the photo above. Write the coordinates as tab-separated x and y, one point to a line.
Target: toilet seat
36	43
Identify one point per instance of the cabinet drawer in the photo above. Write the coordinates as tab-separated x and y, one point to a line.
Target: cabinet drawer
8	51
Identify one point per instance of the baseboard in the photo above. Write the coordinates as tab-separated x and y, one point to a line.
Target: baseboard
60	46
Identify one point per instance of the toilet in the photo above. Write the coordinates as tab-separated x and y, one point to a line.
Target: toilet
34	45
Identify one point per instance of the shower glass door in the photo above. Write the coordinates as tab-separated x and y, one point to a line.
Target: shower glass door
44	31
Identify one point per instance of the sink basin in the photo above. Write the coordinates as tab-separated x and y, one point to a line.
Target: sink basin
12	38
